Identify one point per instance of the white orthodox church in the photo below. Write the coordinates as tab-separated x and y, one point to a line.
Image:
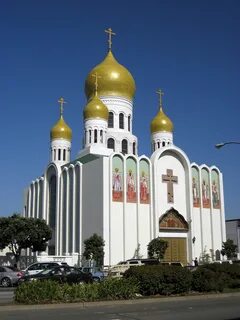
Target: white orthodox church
136	198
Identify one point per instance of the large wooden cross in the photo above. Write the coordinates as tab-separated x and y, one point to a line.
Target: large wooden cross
170	179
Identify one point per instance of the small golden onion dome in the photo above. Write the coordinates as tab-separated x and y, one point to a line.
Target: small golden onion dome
61	130
116	80
161	123
95	109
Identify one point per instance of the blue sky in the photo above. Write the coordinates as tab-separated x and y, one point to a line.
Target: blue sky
190	49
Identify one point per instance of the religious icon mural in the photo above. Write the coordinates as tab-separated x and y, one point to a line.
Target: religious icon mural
215	190
144	181
117	179
195	187
131	173
205	189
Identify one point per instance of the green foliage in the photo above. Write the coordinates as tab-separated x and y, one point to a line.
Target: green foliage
19	233
94	249
37	292
205	280
164	280
157	248
229	249
117	289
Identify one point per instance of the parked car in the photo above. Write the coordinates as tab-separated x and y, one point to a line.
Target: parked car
9	277
96	273
61	274
40	266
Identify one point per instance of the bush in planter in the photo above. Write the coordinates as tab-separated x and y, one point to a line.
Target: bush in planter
205	280
117	289
159	279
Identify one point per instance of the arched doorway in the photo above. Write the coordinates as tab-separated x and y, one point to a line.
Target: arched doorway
174	224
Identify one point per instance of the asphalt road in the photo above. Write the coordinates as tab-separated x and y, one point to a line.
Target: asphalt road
6	296
219	307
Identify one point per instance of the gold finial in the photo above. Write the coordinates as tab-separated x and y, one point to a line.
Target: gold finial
110	34
160	93
61	101
96	76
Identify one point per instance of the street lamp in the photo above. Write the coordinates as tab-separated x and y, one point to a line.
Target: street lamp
220	145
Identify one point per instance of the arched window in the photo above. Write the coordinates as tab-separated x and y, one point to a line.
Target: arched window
158	144
110	120
129	123
59	154
124	146
64	154
95	135
134	147
90	136
111	144
101	135
121	121
163	144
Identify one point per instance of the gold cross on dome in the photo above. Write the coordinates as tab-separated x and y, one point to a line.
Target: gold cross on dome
110	34
61	101
160	93
96	76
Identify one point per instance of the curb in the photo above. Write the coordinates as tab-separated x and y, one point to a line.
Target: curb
82	305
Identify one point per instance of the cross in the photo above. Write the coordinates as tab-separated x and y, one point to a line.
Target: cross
170	179
96	76
110	34
160	93
61	101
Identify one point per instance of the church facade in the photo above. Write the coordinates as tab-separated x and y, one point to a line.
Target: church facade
136	198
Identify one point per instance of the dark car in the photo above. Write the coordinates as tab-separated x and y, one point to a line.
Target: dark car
9	277
61	274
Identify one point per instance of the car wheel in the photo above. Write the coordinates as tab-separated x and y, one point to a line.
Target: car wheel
6	282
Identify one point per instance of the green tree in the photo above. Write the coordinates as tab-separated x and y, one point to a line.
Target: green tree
157	248
229	249
94	249
19	233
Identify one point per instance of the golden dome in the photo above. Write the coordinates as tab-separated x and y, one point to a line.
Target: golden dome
95	109
116	80
161	123
61	130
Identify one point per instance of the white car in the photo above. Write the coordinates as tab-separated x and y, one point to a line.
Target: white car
40	266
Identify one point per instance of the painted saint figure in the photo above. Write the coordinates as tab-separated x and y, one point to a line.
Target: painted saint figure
117	185
195	192
130	186
143	188
215	195
205	194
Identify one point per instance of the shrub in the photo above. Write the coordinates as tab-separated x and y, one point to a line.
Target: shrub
37	292
205	280
159	279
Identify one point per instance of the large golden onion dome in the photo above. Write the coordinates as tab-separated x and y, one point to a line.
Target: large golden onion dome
95	109
116	80
61	130
161	123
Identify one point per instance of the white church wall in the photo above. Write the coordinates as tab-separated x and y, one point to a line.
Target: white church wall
169	161
130	230
197	233
92	198
217	236
206	231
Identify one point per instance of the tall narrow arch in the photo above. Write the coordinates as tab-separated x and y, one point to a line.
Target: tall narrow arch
124	146
110	120
111	144
121	121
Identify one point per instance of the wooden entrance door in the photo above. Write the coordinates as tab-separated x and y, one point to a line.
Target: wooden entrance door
176	251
